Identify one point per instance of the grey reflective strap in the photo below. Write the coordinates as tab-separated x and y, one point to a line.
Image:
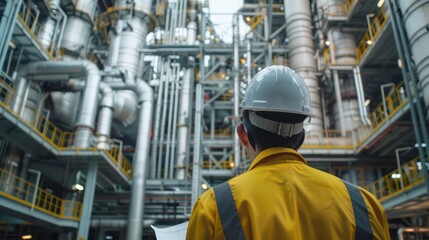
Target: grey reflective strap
363	226
228	212
279	128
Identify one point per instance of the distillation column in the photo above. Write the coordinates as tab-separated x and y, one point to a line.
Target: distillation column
301	55
125	56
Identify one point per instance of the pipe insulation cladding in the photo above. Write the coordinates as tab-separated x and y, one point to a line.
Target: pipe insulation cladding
301	55
63	71
416	17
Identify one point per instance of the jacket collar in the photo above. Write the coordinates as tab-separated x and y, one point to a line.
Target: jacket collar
278	155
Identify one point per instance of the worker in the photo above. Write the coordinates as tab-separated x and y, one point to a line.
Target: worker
280	196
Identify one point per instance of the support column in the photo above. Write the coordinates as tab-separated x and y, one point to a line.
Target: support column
7	24
88	200
339	102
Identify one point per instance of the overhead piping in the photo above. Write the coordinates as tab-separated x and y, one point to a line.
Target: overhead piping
62	72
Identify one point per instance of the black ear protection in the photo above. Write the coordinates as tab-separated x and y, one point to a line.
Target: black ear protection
249	134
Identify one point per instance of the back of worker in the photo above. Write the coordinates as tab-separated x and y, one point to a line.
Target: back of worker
280	196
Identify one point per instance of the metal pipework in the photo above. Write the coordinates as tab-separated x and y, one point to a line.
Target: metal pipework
63	71
185	99
236	88
140	160
105	115
301	46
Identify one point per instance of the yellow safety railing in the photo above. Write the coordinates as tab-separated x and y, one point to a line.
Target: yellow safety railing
28	194
225	164
368	39
390	185
349	4
59	139
33	26
226	132
395	100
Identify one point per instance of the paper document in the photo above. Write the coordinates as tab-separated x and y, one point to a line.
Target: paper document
176	232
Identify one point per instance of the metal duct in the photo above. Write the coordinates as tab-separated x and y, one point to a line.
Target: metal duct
76	35
345	54
301	55
185	99
344	46
63	71
415	15
140	161
105	113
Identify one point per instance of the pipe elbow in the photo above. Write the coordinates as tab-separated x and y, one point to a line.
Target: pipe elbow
107	95
144	91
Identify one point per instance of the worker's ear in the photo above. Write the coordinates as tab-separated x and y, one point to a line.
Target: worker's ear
242	135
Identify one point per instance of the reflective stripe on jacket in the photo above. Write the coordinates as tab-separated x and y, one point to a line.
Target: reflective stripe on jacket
281	197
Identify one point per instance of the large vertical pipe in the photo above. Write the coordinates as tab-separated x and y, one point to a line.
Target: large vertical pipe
105	115
140	161
339	103
415	16
196	168
236	88
185	98
301	54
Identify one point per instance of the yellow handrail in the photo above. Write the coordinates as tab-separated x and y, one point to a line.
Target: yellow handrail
395	100
390	184
375	27
27	193
59	139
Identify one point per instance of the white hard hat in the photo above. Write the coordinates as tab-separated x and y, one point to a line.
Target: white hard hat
277	89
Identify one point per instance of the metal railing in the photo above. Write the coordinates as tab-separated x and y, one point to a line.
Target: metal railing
57	138
30	21
29	194
395	100
371	35
390	184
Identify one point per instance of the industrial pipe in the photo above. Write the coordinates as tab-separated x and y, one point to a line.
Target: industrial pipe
236	88
105	115
185	98
140	161
62	72
301	46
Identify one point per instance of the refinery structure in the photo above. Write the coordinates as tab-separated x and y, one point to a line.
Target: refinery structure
117	114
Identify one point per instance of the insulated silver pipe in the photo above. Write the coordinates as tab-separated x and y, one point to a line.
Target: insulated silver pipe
301	46
140	161
155	140
185	99
361	96
105	115
169	164
70	69
339	102
236	88
416	25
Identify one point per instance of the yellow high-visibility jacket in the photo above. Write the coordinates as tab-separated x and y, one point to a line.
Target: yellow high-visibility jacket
281	197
